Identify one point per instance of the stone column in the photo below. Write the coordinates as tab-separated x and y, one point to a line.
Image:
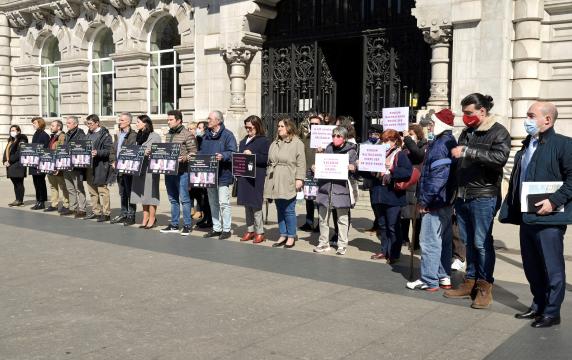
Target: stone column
26	93
131	82
74	90
5	76
238	60
439	36
187	81
526	57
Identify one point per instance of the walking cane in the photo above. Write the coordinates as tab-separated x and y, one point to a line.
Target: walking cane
412	242
329	207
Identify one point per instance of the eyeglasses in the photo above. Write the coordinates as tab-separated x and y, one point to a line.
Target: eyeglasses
249	127
337	136
87	123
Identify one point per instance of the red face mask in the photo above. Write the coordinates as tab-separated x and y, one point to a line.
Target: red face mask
471	120
338	141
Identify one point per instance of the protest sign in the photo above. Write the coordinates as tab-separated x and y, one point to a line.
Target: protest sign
203	170
80	151
244	165
310	188
331	166
130	159
321	136
372	158
47	163
396	118
164	158
30	154
63	158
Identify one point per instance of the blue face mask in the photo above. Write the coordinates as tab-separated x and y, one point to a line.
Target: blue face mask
372	140
530	126
430	136
199	133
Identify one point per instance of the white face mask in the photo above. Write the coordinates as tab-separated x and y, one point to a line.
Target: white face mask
13	134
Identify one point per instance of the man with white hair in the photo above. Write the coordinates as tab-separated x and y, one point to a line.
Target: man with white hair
220	141
75	177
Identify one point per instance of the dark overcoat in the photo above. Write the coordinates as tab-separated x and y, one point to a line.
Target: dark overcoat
250	190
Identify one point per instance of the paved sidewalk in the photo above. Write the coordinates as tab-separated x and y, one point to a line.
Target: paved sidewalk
82	290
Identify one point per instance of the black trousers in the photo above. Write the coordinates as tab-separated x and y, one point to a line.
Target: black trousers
202	199
125	183
542	249
310	212
40	186
18	188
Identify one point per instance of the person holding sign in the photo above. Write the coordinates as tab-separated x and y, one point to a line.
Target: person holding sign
310	152
145	187
74	177
220	141
40	137
545	156
337	194
56	181
250	190
387	198
284	178
100	174
14	169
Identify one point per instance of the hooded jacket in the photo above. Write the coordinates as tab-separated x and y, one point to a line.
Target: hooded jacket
340	190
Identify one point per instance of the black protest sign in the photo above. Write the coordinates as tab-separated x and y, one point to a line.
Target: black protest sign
80	151
203	171
130	159
164	158
244	165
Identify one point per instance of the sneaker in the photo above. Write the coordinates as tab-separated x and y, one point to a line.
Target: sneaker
186	230
445	283
170	229
341	251
224	235
458	265
420	285
306	227
322	248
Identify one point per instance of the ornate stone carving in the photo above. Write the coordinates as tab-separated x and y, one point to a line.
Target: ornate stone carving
437	33
240	55
122	4
19	19
65	9
238	59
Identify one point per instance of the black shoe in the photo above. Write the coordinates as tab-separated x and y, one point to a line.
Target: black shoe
224	235
186	230
170	229
129	221
118	219
528	314
62	209
80	215
103	218
316	229
212	233
306	227
35	207
545	321
280	243
92	216
66	212
41	206
50	209
204	225
286	246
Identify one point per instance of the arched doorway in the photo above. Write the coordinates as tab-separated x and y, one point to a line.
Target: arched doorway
344	57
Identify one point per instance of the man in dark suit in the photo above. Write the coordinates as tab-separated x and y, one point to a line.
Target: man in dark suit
544	157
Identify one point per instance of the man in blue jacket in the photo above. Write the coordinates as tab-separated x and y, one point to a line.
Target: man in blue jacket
435	192
220	141
545	156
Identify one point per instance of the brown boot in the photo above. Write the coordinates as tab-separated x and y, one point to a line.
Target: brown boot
462	292
484	297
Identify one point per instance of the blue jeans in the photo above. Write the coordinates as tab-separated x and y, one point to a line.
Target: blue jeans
219	201
475	218
542	249
389	230
436	245
178	192
286	210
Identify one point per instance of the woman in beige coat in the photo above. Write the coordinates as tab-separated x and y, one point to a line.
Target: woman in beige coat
285	176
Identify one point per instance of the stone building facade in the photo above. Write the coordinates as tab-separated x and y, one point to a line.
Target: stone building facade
147	56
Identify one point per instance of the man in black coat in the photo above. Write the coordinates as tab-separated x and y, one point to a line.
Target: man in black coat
99	175
42	138
545	156
74	178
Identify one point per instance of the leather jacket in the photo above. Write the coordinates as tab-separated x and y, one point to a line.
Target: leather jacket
479	170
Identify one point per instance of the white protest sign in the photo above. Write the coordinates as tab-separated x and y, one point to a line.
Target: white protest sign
321	136
332	166
396	118
372	158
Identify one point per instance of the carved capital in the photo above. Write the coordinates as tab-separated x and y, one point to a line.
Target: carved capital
18	19
239	55
65	9
435	34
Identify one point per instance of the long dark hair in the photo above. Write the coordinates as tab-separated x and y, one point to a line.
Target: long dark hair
257	123
19	132
143	135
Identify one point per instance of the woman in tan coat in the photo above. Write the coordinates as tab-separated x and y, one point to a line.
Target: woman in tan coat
285	176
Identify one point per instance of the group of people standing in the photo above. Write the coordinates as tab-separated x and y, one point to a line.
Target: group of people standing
429	175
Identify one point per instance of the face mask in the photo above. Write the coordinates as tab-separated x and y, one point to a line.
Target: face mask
471	120
13	134
430	136
530	127
372	140
338	141
199	133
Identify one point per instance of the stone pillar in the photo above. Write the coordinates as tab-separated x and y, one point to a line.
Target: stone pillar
25	94
5	76
527	49
238	60
187	81
439	36
131	82
74	90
